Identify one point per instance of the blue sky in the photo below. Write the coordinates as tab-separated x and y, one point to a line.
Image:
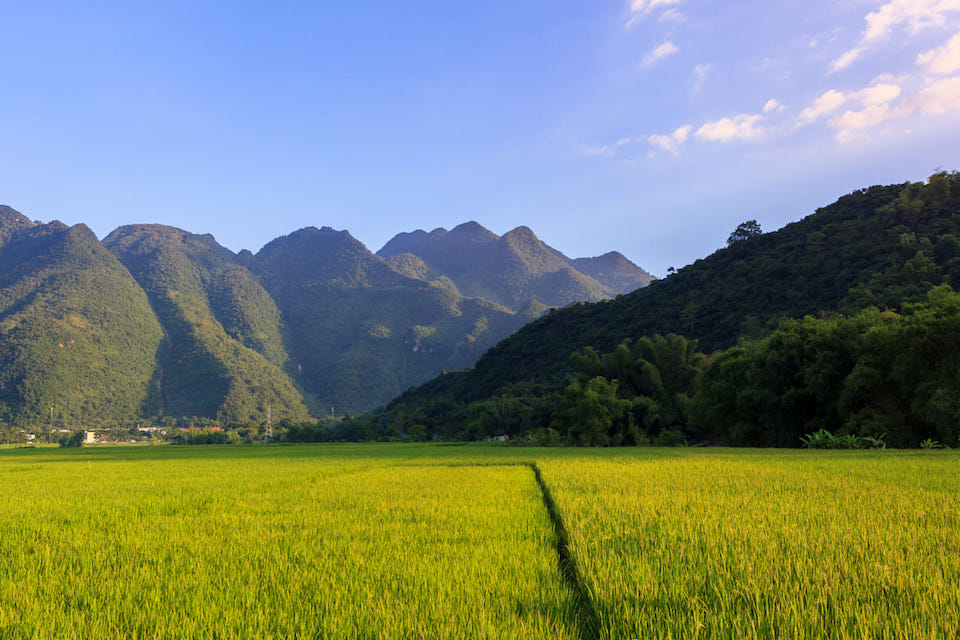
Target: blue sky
652	127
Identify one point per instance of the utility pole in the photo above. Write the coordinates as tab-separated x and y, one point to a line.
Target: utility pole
50	430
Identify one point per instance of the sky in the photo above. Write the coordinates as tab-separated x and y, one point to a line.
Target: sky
649	127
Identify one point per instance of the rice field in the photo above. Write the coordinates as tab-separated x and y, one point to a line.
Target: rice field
790	545
427	541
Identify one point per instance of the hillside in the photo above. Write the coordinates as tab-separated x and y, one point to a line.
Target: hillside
882	246
513	269
77	334
359	331
222	355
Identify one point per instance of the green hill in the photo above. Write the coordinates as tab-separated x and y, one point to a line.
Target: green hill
222	354
882	246
360	331
76	332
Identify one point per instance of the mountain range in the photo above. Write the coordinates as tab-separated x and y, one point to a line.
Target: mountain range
159	322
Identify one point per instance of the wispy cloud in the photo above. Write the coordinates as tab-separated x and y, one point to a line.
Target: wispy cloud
874	102
846	60
914	15
773	105
699	76
942	60
659	53
639	9
938	97
672	15
881	103
607	150
852	125
739	127
671	142
826	103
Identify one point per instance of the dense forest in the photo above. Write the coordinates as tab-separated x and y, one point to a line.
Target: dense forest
843	322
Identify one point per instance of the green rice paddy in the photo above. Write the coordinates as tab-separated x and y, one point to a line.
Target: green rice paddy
428	541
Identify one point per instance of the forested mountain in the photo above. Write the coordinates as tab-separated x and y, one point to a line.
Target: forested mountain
513	269
222	355
883	246
359	331
157	322
77	335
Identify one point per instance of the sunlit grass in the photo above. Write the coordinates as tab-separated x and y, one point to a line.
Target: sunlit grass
282	547
793	545
425	541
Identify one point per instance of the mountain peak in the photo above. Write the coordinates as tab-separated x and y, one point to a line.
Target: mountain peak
12	221
615	271
470	232
326	236
426	245
520	235
10	212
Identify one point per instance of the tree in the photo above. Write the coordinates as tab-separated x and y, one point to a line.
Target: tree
655	377
744	230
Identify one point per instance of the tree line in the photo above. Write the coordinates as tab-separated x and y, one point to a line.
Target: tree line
882	375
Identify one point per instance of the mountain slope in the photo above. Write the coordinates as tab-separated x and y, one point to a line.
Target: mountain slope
223	353
360	331
76	332
884	246
512	269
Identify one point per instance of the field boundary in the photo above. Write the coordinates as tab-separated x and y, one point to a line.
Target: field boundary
587	621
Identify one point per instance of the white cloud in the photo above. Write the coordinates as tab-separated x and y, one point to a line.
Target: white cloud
641	8
942	60
938	98
700	75
879	105
875	102
646	6
851	121
877	94
607	150
829	101
672	141
739	127
845	60
915	15
773	105
664	50
672	15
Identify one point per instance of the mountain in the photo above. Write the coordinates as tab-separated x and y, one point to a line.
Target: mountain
360	331
882	246
156	321
77	334
222	353
614	271
513	269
